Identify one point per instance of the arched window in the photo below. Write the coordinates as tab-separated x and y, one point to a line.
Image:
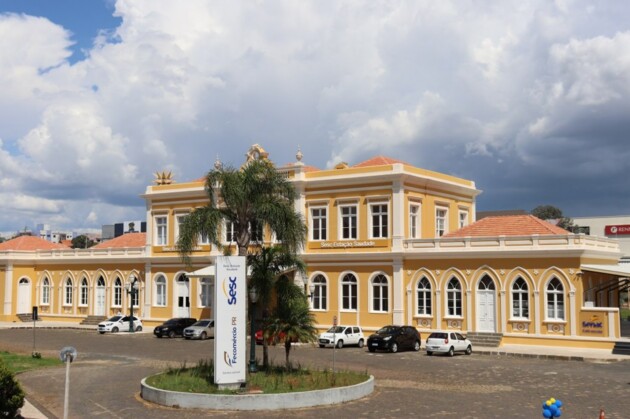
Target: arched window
117	292
46	291
520	299
67	300
84	292
380	293
555	300
160	291
320	293
486	284
423	295
349	292
454	297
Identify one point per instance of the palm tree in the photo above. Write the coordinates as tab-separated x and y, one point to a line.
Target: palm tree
266	265
249	198
292	316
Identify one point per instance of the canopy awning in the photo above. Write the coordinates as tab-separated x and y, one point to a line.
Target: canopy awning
206	272
622	270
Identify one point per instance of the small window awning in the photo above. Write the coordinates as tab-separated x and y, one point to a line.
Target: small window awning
622	270
206	272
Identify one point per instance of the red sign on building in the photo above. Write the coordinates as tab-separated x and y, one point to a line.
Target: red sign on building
618	230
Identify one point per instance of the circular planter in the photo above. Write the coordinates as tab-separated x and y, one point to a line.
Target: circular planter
256	401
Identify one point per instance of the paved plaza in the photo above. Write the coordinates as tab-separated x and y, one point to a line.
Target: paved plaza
105	379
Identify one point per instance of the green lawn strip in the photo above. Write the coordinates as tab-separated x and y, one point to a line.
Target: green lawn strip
17	363
199	379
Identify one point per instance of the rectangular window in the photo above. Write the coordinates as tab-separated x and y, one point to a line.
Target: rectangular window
161	231
414	219
84	295
229	232
179	220
319	223
348	222
256	232
380	221
440	221
463	219
206	293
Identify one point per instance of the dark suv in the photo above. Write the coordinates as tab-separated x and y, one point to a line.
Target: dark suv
173	327
393	338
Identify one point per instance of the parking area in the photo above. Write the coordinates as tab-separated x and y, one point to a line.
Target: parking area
105	379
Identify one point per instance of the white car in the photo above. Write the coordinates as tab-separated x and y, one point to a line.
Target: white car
448	343
119	323
341	336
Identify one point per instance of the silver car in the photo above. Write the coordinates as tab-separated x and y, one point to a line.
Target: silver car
448	343
203	329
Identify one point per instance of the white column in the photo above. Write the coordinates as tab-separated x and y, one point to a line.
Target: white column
398	216
537	318
503	302
398	293
8	288
574	313
438	309
148	291
469	318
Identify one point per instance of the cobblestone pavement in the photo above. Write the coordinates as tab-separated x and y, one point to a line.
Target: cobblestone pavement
105	380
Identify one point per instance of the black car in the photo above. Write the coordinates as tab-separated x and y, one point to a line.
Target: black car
394	338
173	327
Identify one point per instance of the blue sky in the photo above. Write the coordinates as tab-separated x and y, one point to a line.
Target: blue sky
528	98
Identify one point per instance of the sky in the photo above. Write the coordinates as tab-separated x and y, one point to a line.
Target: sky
528	98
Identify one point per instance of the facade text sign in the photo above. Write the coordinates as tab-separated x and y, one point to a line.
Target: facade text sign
617	230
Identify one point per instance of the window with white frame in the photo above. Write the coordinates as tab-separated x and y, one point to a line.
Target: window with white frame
67	292
454	298
179	221
414	221
256	232
117	292
520	299
380	221
320	293
206	292
463	218
135	297
440	221
555	300
348	222
319	223
84	292
46	291
380	293
423	297
160	291
229	232
161	231
349	292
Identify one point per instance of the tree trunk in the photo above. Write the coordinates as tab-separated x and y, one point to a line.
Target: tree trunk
287	350
265	351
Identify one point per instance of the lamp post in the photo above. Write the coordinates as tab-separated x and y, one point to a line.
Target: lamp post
253	297
132	290
311	289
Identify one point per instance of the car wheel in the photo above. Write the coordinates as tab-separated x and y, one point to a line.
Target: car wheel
139	329
321	346
371	349
340	344
101	333
393	348
360	343
171	334
451	351
115	330
469	350
416	346
204	336
429	353
158	336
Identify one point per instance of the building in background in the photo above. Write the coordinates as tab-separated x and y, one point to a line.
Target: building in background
615	227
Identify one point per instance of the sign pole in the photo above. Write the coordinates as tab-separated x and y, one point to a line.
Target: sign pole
334	341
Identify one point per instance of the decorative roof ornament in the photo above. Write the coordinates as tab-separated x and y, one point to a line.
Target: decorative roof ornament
256	152
217	164
342	165
299	155
163	178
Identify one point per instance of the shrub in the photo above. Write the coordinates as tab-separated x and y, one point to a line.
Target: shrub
11	394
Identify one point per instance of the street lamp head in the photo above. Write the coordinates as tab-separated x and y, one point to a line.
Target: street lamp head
311	289
253	295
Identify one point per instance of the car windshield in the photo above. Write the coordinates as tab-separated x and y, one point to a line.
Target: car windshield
337	329
202	323
171	322
387	330
114	319
438	335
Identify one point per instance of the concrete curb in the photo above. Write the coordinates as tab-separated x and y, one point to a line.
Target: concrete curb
256	401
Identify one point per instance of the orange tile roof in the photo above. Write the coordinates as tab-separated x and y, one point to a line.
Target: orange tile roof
508	225
30	243
126	240
379	161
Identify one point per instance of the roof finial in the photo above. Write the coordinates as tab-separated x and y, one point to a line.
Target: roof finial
217	163
299	155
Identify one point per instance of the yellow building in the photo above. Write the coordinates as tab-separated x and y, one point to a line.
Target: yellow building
388	243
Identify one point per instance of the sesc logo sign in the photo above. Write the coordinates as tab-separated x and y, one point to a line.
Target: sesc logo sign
230	290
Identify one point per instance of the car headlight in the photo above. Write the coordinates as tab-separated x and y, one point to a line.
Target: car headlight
387	338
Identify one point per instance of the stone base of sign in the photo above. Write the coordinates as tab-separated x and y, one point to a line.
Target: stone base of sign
256	401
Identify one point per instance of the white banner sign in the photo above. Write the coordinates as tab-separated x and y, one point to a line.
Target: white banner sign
230	296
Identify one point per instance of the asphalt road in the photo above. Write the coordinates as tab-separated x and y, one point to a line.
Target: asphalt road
105	380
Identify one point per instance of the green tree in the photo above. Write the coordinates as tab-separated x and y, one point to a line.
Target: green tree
255	195
549	212
82	242
292	316
266	265
11	394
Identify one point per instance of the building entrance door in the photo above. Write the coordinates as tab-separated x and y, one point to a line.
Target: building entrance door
183	297
24	296
99	296
486	305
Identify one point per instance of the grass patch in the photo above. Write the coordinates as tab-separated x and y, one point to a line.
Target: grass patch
20	363
275	379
